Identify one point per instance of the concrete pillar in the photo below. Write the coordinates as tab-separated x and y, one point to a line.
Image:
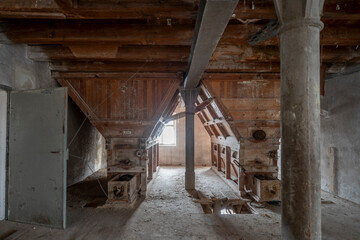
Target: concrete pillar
300	118
189	96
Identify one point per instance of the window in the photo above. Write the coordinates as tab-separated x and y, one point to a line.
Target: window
168	136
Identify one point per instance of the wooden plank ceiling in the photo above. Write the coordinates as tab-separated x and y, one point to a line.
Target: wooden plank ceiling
124	60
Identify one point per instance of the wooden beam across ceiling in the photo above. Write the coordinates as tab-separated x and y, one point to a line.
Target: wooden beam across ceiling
117	75
101	66
212	19
100	52
241	76
89	32
246	53
154	9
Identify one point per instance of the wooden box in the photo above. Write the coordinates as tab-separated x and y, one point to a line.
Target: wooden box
124	188
266	189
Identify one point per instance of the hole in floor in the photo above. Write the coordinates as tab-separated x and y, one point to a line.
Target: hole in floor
226	206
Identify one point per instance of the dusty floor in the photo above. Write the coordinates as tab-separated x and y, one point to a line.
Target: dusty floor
170	213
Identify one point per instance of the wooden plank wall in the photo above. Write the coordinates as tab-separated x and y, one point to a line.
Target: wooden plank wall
115	104
252	103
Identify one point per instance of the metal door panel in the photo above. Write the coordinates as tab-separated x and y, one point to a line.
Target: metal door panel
37	157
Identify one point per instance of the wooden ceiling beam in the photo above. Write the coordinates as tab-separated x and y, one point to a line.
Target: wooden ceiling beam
136	53
80	32
88	32
335	34
116	75
65	4
101	66
103	9
263	67
333	9
102	79
126	9
246	53
110	52
241	76
231	66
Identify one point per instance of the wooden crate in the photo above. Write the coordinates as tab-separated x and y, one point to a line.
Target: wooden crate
124	188
265	188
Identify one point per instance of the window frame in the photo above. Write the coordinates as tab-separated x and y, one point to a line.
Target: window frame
171	124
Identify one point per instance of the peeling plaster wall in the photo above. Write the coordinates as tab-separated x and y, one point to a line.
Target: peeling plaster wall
340	137
21	73
175	155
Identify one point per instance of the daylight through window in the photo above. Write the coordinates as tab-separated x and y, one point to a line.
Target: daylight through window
168	136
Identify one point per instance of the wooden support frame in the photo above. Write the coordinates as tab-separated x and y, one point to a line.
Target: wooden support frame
228	163
150	163
219	157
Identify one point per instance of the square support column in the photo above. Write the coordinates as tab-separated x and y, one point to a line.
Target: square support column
189	96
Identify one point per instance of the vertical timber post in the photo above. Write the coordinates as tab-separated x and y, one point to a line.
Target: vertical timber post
189	96
154	157
228	162
219	157
157	155
150	163
300	118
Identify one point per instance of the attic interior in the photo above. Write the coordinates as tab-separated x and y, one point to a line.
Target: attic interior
179	119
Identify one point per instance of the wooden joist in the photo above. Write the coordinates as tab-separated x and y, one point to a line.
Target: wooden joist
106	66
110	52
241	76
228	66
246	104
145	9
117	75
336	35
226	58
89	32
81	32
246	53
